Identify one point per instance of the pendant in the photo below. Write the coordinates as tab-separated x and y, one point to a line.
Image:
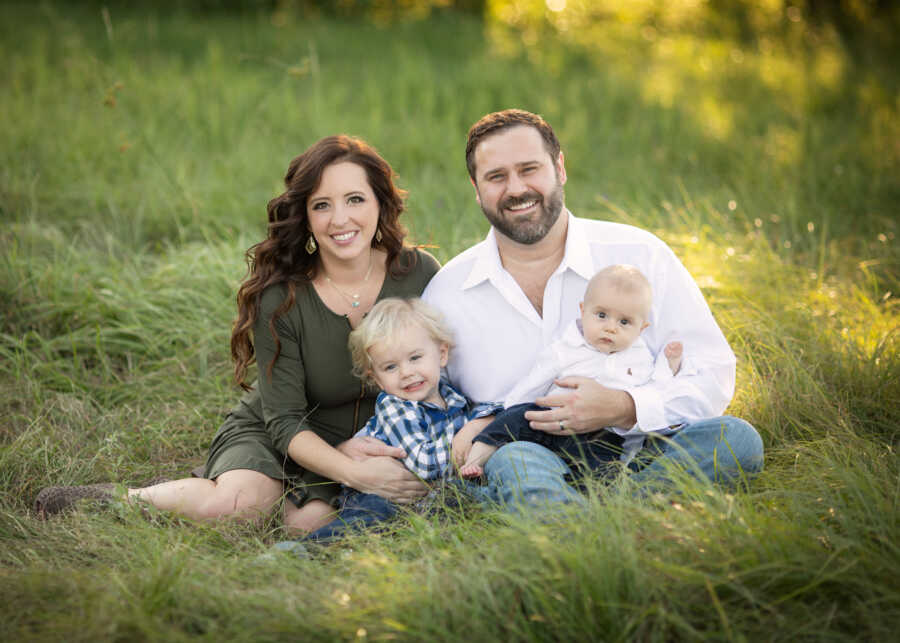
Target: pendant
355	304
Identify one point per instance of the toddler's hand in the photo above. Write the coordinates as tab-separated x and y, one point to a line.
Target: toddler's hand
462	441
460	448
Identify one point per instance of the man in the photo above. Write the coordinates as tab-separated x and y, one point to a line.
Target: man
512	294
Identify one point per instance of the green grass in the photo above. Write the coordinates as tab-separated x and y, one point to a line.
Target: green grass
135	165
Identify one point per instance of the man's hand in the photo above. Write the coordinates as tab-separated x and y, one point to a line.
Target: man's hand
462	441
366	447
588	407
387	478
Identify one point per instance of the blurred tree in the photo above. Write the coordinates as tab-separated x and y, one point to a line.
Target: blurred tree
361	8
876	22
855	19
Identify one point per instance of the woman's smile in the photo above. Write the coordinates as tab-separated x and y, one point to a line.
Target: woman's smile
344	238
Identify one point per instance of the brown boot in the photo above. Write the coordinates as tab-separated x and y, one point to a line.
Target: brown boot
53	500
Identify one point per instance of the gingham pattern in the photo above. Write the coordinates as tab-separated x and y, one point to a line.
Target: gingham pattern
424	430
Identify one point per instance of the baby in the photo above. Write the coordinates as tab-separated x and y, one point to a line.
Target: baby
605	345
401	346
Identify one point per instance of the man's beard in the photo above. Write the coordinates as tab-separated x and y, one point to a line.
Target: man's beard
527	231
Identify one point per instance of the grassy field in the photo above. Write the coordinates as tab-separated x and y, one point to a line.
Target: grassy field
139	149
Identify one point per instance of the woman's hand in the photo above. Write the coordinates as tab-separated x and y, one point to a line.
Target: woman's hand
462	441
366	447
385	476
388	478
590	406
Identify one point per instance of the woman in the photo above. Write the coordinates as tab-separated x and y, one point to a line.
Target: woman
333	249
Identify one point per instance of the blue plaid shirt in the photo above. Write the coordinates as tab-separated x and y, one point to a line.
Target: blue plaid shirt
423	429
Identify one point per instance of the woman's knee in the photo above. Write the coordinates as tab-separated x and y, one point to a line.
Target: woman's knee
231	505
249	496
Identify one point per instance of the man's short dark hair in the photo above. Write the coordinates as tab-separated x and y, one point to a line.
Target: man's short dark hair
497	121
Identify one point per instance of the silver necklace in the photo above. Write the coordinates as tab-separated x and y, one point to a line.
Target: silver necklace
353	298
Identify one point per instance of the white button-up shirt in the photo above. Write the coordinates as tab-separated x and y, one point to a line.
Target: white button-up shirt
499	334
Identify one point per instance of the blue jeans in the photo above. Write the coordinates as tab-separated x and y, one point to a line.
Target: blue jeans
582	452
723	450
358	511
526	474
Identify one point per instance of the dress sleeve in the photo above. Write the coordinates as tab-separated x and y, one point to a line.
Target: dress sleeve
429	266
283	394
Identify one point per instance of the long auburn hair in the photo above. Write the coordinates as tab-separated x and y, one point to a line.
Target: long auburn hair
281	258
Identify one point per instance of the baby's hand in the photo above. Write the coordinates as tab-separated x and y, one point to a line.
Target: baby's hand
674	352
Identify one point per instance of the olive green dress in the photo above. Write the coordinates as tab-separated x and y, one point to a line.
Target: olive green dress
311	387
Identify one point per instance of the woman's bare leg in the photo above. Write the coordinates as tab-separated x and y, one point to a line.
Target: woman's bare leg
239	493
309	517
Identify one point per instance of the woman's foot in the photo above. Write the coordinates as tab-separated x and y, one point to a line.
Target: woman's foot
54	500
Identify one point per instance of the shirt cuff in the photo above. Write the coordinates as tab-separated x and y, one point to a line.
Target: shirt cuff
649	408
484	409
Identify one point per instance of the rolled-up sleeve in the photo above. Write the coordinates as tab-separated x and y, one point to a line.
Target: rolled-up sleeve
283	388
483	410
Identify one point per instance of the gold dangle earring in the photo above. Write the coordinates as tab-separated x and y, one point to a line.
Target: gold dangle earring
311	245
378	236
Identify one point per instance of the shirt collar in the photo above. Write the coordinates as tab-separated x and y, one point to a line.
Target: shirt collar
578	250
452	399
573	335
577	255
487	262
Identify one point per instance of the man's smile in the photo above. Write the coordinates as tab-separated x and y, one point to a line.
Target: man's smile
522	206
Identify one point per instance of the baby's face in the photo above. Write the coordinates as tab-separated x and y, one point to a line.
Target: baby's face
611	319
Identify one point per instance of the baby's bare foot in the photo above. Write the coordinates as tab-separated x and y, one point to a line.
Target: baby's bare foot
469	471
674	350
